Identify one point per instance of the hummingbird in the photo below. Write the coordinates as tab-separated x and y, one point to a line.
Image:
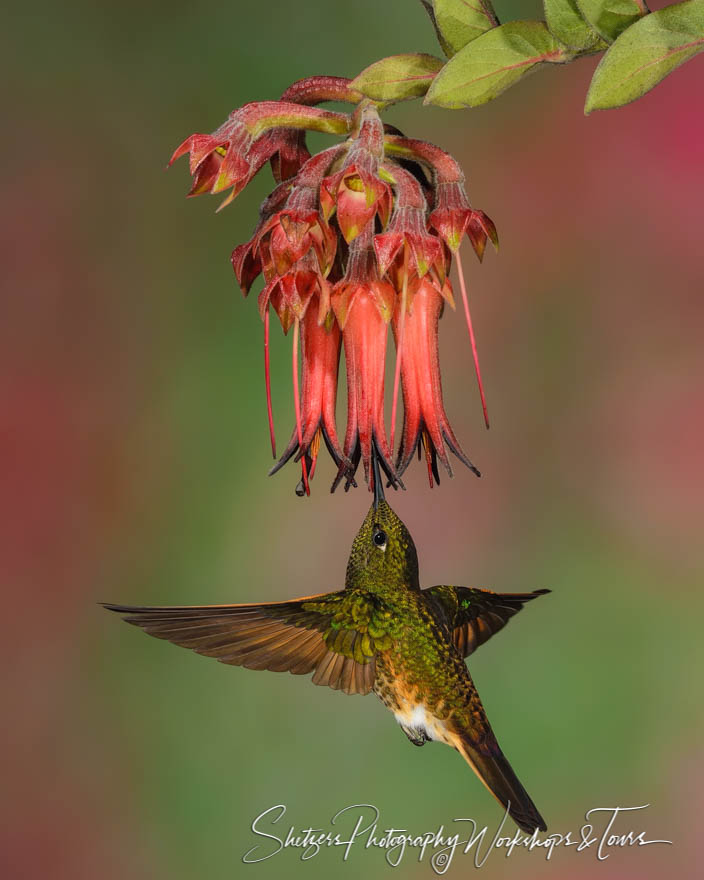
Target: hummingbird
383	634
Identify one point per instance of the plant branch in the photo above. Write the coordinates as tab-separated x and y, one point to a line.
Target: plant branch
484	57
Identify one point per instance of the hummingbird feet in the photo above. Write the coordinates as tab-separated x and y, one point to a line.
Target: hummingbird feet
416	735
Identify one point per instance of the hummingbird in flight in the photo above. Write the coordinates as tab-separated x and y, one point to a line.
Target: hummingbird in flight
383	634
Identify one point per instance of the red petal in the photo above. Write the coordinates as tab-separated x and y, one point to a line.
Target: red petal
364	338
234	170
421	382
321	358
205	174
353	212
387	246
246	265
199	146
320	352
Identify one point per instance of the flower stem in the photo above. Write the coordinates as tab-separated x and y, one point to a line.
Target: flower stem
441	163
318	89
261	116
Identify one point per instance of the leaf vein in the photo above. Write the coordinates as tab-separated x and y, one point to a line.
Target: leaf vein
661	58
478	9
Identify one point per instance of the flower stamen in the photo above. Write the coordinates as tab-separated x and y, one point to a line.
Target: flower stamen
297	406
471	338
399	347
427	448
267	378
313	452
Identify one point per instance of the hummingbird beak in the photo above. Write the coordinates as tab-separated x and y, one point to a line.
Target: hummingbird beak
378	485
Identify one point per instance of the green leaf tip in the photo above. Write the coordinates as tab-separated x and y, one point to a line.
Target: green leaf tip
490	64
645	53
458	22
398	77
566	22
609	18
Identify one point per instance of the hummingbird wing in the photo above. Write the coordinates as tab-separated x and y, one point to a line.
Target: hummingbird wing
302	636
474	615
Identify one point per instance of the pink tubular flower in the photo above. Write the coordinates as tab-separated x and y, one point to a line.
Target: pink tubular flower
424	418
416	261
320	348
353	239
363	306
451	217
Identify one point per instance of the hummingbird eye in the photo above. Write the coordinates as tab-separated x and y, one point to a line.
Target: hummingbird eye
379	538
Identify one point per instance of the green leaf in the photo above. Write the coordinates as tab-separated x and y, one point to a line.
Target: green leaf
458	22
611	17
646	53
567	23
398	77
493	62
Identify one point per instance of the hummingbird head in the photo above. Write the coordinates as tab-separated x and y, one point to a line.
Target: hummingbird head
383	553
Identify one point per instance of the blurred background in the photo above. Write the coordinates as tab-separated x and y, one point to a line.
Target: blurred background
135	453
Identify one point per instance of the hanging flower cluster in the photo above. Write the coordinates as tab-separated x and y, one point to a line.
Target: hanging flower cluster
352	241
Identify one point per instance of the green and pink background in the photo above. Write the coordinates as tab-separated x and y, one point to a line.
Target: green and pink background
135	452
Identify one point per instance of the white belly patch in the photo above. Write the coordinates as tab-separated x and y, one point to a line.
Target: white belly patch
416	718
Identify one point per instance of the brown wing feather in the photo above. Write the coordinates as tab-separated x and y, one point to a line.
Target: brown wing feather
278	636
475	615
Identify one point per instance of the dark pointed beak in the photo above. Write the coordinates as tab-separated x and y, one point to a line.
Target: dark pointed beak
378	485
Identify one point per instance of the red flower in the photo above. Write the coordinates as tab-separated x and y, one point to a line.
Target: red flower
424	418
251	136
356	192
417	262
356	196
453	217
407	246
363	306
320	348
351	240
289	226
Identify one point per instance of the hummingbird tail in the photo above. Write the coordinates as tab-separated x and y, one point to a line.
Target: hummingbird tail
494	770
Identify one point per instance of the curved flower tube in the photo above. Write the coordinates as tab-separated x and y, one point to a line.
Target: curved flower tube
424	419
363	306
321	342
